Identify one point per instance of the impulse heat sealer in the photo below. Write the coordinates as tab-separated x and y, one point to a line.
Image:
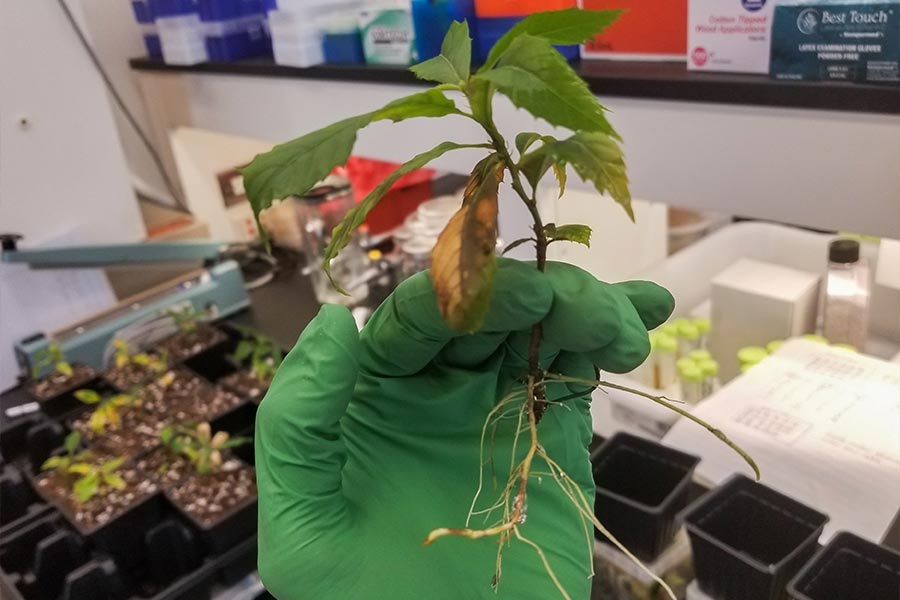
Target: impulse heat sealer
217	289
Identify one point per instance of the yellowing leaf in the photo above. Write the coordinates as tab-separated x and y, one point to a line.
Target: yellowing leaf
463	261
64	368
560	171
114	481
52	463
88	396
80	468
97	421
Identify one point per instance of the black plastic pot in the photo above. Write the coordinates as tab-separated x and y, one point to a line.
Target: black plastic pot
235	525
65	401
19	504
849	568
122	537
749	540
641	486
215	362
48	561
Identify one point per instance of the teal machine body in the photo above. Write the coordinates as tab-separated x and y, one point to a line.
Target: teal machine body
217	289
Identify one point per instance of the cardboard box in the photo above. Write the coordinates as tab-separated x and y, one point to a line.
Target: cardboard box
851	41
729	35
648	30
754	303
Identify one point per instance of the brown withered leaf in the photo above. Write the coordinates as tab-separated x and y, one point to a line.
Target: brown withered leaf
463	261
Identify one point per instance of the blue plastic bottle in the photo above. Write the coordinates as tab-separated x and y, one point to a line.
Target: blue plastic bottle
432	18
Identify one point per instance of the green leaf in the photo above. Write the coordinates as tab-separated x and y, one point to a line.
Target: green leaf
88	396
166	434
235	442
295	167
343	233
525	140
481	93
71	442
244	350
516	244
453	63
431	103
562	27
580	234
114	481
595	157
463	262
86	487
538	79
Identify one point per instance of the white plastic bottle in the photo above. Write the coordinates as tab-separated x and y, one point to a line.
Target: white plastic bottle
846	319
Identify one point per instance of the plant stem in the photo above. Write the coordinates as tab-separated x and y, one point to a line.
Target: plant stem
538	398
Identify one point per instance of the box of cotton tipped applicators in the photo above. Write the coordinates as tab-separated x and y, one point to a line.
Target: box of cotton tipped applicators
843	41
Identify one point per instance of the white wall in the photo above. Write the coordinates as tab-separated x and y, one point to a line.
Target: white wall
824	169
116	37
65	168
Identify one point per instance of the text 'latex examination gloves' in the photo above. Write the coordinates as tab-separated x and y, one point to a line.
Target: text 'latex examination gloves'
367	441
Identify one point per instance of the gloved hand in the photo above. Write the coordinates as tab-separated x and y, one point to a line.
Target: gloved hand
366	442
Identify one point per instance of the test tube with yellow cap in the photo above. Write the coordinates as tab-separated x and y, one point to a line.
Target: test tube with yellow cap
703	326
748	356
688	338
664	373
691	377
710	370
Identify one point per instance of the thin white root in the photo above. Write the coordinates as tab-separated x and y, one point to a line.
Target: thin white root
663	401
544	560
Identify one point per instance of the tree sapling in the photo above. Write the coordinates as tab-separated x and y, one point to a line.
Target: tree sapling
108	411
62	375
51	356
262	356
194	334
199	446
525	67
85	477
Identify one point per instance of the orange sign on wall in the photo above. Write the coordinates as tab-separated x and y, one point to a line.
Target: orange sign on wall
647	30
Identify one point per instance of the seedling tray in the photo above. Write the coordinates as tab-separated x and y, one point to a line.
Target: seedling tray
749	540
849	568
165	555
641	487
65	401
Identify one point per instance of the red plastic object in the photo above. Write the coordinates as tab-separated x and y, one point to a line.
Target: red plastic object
518	8
401	200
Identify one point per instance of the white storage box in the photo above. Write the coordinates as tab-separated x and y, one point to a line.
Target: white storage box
754	303
183	39
296	42
689	275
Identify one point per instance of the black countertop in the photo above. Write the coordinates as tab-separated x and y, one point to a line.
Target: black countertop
633	79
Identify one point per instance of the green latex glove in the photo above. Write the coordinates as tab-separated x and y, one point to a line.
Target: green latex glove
366	442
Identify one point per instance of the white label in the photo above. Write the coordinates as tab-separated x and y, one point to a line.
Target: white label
729	35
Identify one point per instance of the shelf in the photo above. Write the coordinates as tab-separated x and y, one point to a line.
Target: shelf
649	80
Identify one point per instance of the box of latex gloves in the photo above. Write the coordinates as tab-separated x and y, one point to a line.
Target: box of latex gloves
729	35
847	41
